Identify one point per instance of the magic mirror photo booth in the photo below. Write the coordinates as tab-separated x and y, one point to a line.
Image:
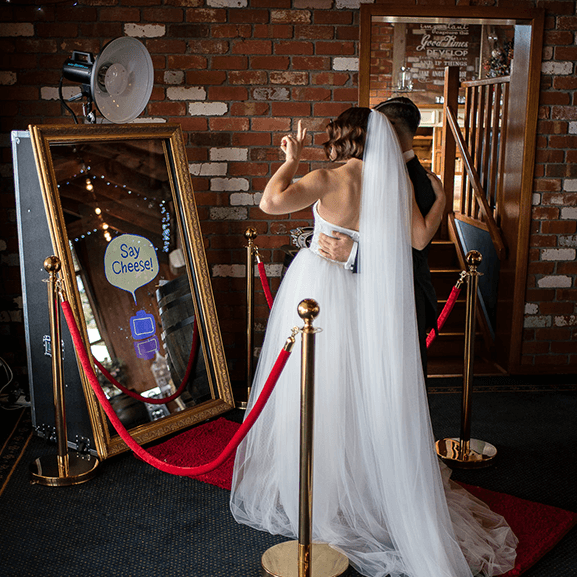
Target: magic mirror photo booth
114	203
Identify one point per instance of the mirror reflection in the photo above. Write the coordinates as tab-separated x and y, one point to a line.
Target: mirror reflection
131	275
123	222
408	55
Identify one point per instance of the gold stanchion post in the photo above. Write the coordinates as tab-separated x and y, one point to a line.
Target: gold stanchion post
250	234
304	558
62	469
464	452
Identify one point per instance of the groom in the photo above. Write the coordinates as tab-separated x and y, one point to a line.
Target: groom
405	118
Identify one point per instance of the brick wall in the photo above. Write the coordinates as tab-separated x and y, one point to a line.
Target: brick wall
237	75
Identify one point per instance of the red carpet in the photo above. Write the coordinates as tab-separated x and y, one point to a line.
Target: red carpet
538	527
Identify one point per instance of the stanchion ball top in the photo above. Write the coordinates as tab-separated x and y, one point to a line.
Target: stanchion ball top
474	258
308	309
250	233
52	264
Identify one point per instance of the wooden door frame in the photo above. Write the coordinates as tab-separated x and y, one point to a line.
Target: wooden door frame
521	148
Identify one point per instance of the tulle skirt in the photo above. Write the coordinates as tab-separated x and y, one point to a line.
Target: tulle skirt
351	496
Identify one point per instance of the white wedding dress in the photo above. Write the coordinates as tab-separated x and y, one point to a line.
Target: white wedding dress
380	494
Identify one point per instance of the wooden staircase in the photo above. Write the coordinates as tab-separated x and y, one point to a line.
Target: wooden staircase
446	353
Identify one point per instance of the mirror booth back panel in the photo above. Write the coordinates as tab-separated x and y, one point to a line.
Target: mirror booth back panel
34	246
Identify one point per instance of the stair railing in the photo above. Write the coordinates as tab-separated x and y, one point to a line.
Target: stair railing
482	149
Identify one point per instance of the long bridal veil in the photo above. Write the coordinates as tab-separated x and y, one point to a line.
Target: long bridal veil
404	478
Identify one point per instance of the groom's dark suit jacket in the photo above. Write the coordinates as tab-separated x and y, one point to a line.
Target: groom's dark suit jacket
425	297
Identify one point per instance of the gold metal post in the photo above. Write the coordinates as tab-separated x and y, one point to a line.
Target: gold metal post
304	558
464	452
250	234
61	469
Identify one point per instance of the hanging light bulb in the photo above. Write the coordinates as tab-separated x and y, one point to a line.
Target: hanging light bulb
104	226
89	185
97	210
107	236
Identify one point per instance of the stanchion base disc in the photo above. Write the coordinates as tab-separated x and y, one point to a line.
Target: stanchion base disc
242	405
480	454
282	561
45	471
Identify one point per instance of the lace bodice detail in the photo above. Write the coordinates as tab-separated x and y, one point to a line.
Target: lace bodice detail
324	226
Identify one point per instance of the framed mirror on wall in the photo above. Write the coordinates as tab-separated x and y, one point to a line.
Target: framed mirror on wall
123	221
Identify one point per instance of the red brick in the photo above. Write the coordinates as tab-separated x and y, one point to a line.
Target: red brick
227	94
186	62
541	267
292	109
162	14
162	46
551	127
292	47
541	295
558	37
247	77
535	347
270	63
229	62
247	169
230	31
563	198
553	334
567	295
347	33
334	17
271	124
551	359
276	31
291	78
335	48
206	15
249	108
199	77
208	46
567	268
547	184
563	347
564	308
311	63
542	213
330	78
247	15
228	124
557	98
559	226
568	141
567	23
346	94
252	47
563	113
251	139
315	32
314	94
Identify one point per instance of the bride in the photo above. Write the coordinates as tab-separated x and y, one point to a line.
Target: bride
380	494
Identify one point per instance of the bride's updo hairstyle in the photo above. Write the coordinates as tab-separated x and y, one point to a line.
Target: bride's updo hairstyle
347	135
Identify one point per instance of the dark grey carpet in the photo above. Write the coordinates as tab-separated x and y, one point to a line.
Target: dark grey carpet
135	521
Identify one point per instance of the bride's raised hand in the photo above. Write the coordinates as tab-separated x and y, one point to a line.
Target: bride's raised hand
292	144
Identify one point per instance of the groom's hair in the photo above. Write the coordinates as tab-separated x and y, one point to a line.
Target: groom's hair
403	110
347	134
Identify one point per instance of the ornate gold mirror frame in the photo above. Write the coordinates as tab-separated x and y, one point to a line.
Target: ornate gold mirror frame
123	221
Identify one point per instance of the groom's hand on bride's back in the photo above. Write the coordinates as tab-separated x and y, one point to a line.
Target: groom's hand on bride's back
337	247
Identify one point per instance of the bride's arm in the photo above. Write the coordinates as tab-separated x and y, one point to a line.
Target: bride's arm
282	197
424	228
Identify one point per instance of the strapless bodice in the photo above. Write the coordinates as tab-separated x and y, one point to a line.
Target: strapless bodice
324	226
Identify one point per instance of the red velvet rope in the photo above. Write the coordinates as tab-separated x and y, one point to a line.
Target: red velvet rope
444	314
265	285
134	446
163	400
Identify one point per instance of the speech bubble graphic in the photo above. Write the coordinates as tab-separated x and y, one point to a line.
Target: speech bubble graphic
130	262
